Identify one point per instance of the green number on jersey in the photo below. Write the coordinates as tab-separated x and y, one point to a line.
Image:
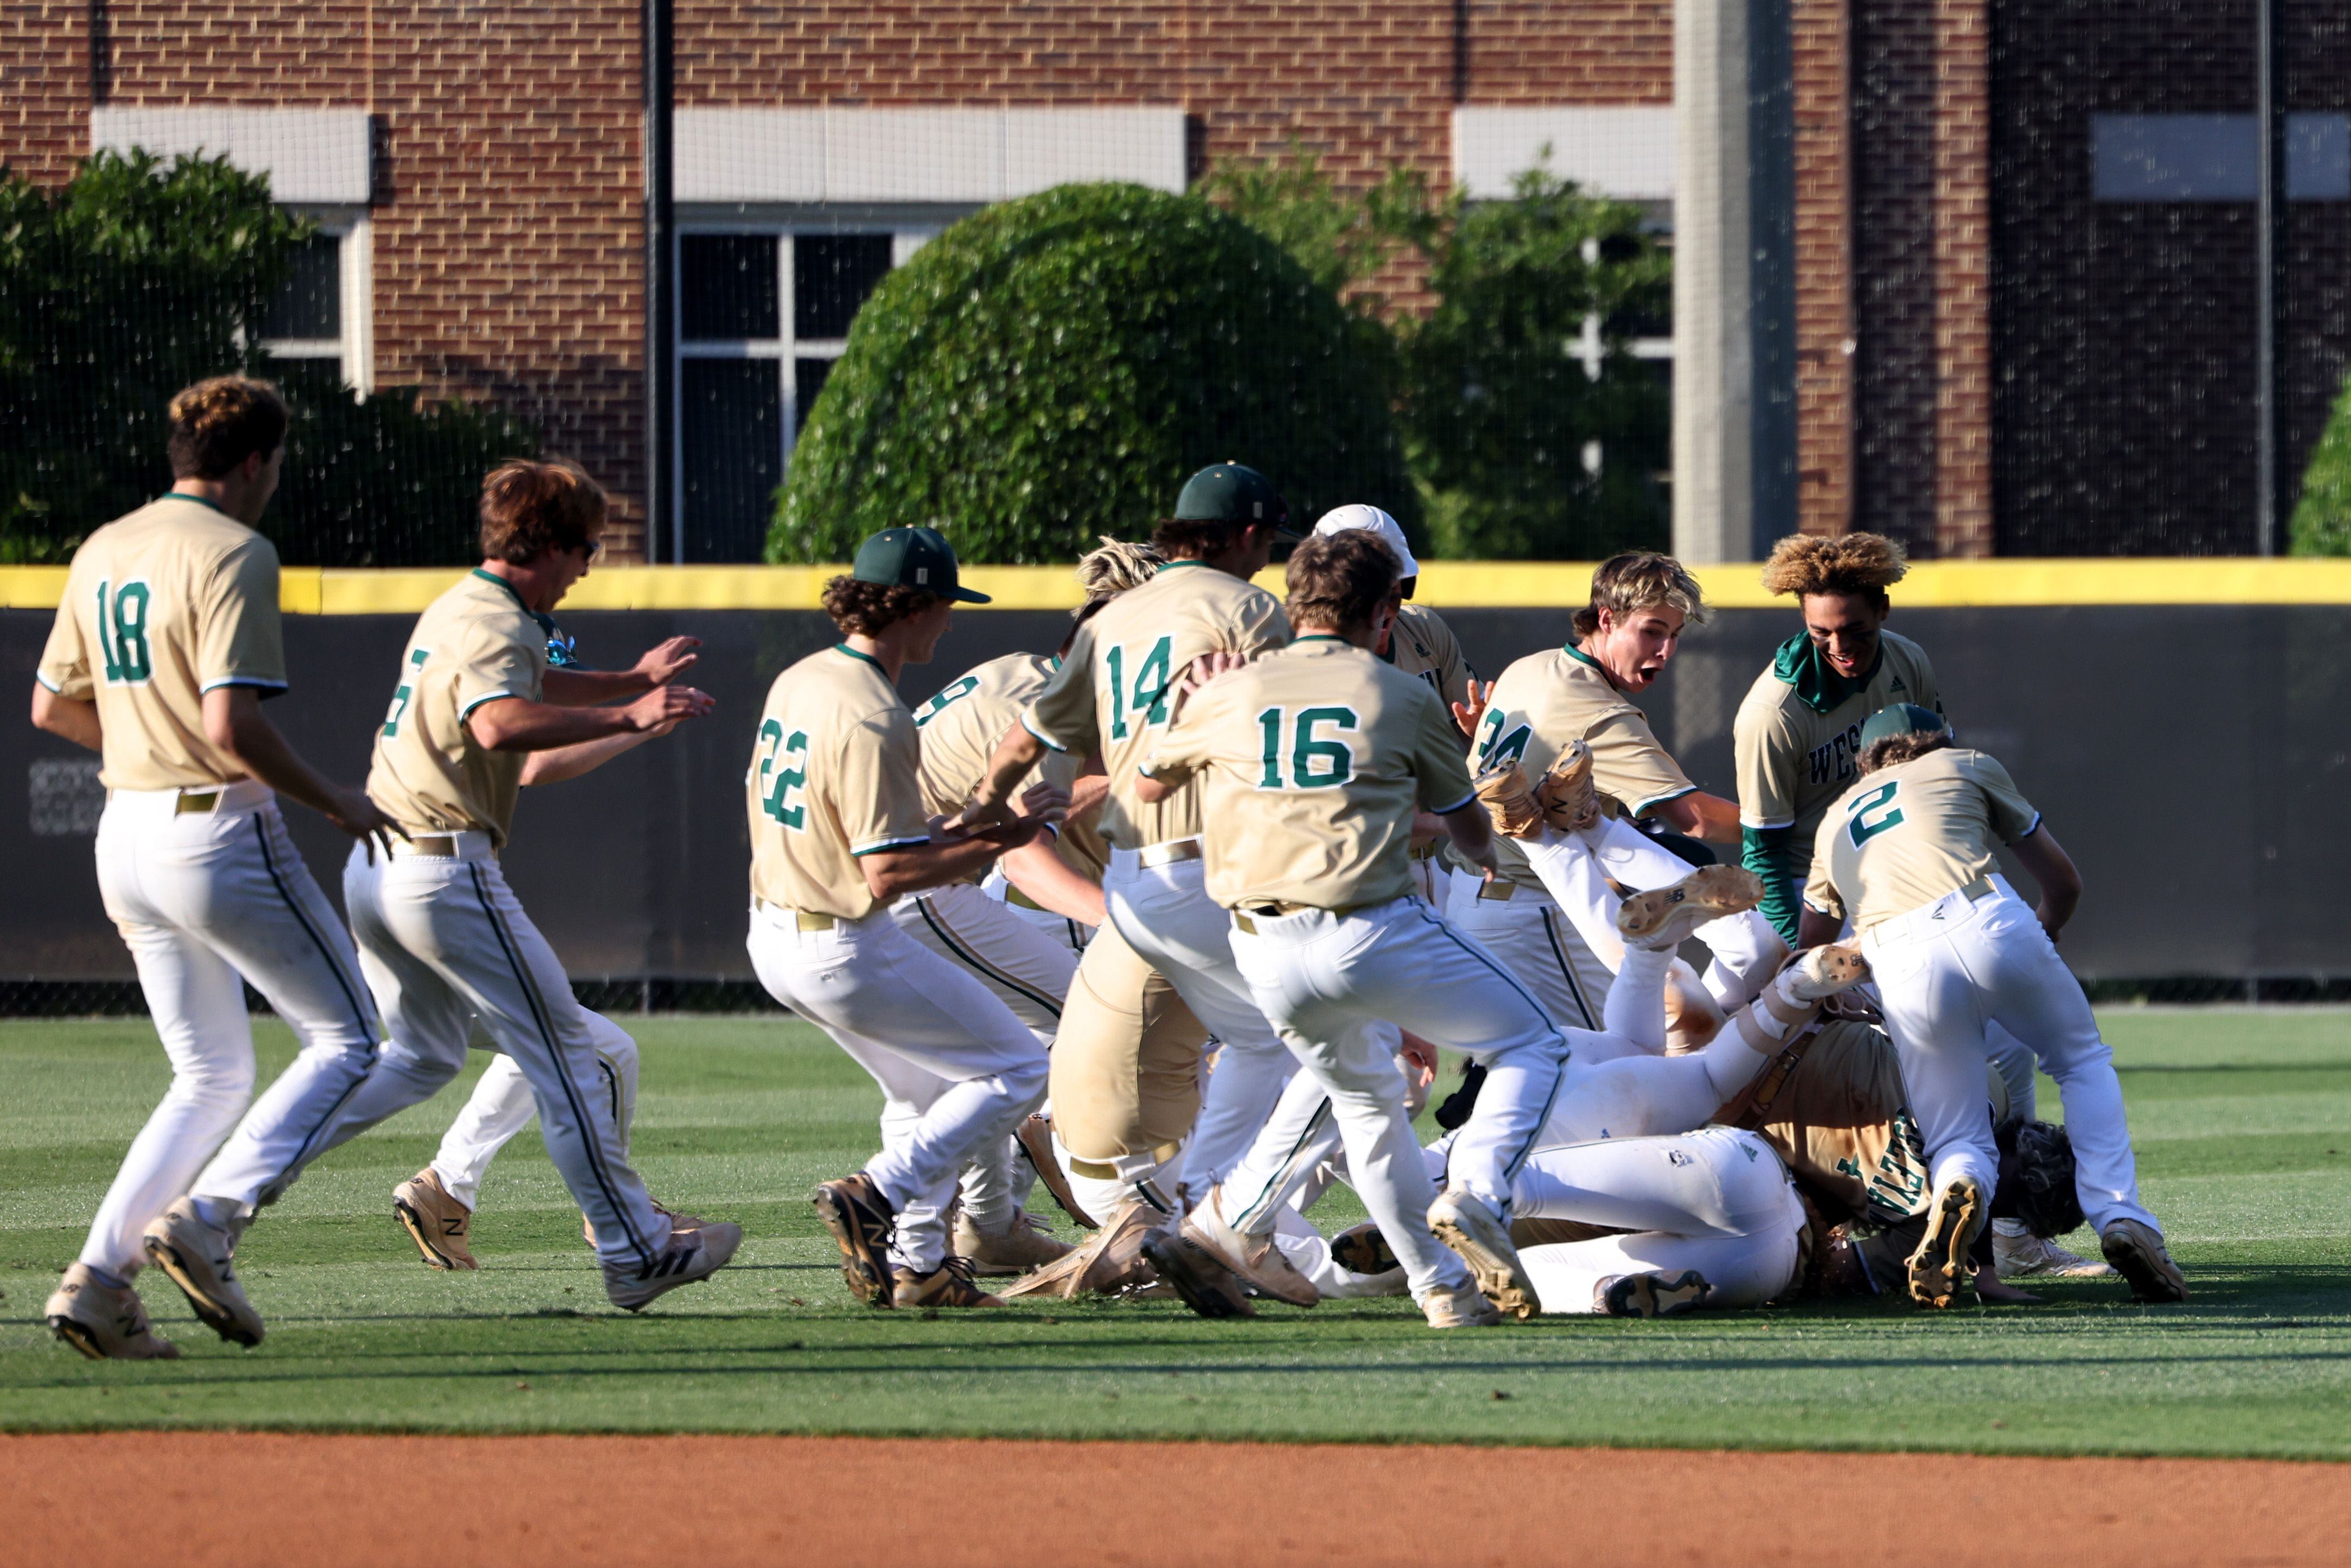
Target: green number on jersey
1147	699
407	688
123	633
1496	750
961	688
1874	812
1315	762
777	785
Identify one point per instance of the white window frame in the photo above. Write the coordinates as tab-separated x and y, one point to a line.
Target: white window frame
353	232
910	227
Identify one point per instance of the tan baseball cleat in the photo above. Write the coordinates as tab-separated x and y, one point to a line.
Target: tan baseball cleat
861	1222
1569	802
697	1248
105	1323
1941	1270
1483	1240
1018	1247
1036	1138
949	1285
1650	1295
2137	1253
1821	972
1108	1261
197	1256
1256	1259
434	1220
1659	920
1466	1307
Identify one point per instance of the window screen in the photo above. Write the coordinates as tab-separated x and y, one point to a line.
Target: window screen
732	423
310	306
831	275
727	287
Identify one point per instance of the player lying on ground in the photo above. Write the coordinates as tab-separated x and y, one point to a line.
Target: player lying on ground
165	641
1907	855
838	831
486	693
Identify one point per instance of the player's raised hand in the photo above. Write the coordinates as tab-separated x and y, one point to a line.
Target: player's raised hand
1208	667
665	661
665	705
1047	802
1466	714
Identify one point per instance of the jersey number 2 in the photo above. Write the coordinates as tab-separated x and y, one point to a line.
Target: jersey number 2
777	786
123	633
1874	812
1315	763
407	690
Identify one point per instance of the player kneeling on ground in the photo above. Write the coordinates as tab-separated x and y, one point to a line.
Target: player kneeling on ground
1907	853
837	831
1314	758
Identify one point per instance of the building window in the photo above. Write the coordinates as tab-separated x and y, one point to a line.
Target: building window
323	312
762	316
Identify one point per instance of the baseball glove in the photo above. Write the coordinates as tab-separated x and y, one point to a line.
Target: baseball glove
1509	802
1566	796
2040	1188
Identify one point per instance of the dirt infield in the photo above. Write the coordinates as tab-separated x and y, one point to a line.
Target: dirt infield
565	1503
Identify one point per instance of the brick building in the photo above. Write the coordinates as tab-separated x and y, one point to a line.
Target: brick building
2024	257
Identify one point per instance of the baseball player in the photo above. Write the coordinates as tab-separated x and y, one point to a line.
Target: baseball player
1625	637
838	831
1908	853
488	680
1109	699
1312	760
164	643
1797	741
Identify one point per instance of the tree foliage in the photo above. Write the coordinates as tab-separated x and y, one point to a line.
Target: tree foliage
1052	368
2322	518
138	277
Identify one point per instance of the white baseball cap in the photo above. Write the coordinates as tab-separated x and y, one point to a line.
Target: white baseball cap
1341	518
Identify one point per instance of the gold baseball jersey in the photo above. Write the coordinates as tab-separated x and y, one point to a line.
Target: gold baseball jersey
160	606
836	773
961	729
1546	700
1797	739
1423	645
475	644
1832	1102
1111	695
1311	761
1907	835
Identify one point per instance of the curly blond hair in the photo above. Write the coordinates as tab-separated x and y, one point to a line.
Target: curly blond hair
1804	564
1116	566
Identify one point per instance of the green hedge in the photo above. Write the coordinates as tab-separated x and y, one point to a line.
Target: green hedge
2322	519
1052	368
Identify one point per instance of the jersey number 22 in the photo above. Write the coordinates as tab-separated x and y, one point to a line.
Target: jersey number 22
778	786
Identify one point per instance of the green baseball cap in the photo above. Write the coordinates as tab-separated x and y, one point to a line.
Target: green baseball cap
1233	492
1902	718
912	558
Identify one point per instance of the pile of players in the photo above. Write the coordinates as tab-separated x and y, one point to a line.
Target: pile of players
1172	921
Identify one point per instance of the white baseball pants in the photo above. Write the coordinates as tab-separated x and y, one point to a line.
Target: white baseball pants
1029	967
1332	984
1166	914
1949	971
502	1103
445	943
1074	934
1537	945
957	1070
207	901
1577	869
1718	1201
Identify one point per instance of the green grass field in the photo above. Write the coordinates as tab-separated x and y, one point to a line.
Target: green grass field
2243	1122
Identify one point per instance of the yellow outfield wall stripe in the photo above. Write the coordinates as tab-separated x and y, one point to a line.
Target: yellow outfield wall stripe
1444	584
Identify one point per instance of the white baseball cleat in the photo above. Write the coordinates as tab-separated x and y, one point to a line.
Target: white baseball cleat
434	1220
2027	1256
197	1256
1465	1307
1256	1259
105	1323
696	1250
1662	918
1483	1242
